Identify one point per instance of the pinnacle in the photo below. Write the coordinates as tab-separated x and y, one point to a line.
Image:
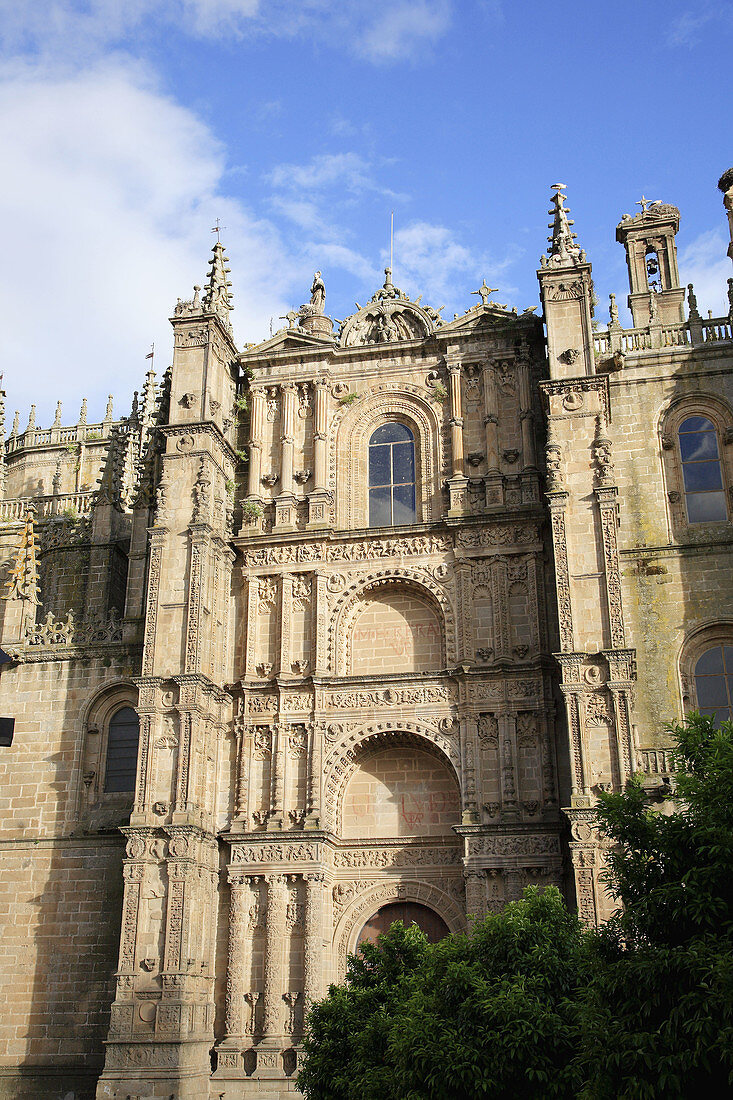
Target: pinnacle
217	296
562	241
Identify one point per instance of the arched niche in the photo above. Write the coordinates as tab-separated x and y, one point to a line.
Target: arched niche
434	619
399	789
350	453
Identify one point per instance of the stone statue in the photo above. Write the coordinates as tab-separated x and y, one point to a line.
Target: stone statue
318	293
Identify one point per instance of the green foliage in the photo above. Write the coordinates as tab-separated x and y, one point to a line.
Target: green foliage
348	399
230	486
242	456
673	873
241	404
439	391
489	1015
657	1017
251	511
532	1005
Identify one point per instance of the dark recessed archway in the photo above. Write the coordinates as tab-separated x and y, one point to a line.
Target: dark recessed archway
409	912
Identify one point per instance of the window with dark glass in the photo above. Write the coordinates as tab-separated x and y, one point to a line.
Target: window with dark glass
122	738
391	476
703	480
714	683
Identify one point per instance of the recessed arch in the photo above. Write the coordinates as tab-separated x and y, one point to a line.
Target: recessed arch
349	606
677	418
344	758
364	905
95	719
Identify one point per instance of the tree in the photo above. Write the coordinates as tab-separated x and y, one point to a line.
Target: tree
657	1015
490	1015
531	1005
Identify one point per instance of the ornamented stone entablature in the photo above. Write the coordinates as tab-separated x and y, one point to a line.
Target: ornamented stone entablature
185	439
566	398
346	550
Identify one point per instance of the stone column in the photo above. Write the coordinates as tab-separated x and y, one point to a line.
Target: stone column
475	893
319	639
243	739
273	991
315	768
255	443
280	732
320	429
456	419
457	482
526	417
494	481
286	622
508	758
287	438
557	500
469	815
313	947
239	903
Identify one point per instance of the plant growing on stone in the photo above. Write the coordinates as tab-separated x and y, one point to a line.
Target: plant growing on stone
251	511
439	391
348	399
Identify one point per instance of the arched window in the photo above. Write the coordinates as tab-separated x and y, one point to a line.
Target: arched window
392	476
122	738
714	682
701	472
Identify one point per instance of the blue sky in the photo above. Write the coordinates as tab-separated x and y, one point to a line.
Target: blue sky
129	127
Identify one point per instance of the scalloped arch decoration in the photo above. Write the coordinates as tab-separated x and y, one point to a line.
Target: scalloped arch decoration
346	610
365	905
344	757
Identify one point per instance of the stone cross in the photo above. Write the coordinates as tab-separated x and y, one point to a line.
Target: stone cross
485	291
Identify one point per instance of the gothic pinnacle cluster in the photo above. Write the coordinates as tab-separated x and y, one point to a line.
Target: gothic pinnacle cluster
563	250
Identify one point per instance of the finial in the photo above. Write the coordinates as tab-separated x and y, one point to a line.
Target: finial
83	412
730	297
387	277
23	581
217	297
484	291
217	229
135	410
613	309
562	242
692	303
108	410
291	317
57	417
645	203
197	297
16	419
56	483
31	419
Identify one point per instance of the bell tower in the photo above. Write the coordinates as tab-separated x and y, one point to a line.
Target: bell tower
656	296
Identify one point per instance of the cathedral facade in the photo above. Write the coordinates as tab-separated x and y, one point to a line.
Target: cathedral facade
344	627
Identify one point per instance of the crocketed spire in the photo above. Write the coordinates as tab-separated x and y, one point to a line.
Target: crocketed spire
217	296
562	242
23	582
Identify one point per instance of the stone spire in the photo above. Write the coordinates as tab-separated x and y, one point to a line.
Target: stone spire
562	251
217	296
23	581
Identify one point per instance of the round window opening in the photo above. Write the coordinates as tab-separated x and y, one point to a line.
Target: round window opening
409	912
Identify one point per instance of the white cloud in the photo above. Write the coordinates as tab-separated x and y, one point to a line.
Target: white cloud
428	259
705	264
107	203
402	31
346	171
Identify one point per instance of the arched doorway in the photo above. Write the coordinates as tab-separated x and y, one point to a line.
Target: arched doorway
409	912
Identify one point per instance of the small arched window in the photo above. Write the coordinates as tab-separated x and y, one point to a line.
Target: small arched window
714	683
701	472
122	739
392	476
